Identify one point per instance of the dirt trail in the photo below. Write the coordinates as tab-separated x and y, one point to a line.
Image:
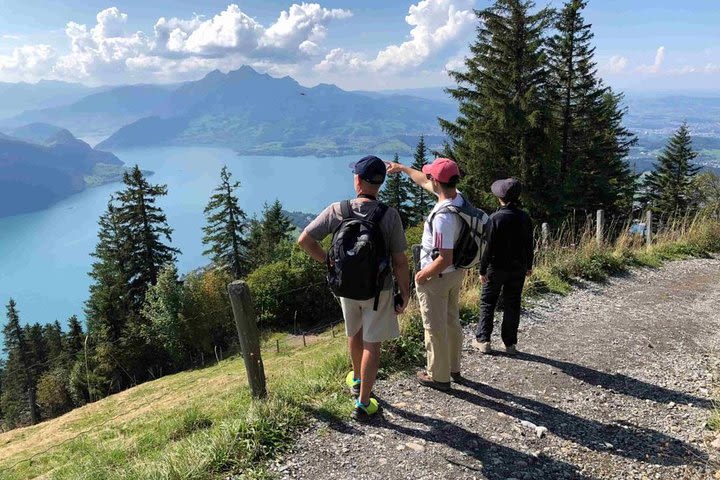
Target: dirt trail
619	374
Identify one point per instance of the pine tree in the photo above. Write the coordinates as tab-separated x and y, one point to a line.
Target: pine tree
668	186
146	227
504	127
163	312
18	350
269	235
226	225
593	172
52	335
75	338
421	201
396	194
108	306
572	70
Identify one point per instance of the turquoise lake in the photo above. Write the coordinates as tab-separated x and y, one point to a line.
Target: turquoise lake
45	255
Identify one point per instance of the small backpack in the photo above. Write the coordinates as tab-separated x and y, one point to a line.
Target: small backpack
357	261
473	234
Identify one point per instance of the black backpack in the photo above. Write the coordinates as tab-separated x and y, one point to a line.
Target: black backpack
473	233
357	261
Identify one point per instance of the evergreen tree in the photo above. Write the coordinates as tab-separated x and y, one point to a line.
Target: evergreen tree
668	186
226	225
396	194
504	127
20	367
269	236
593	143
572	69
163	312
145	226
74	339
52	335
108	306
254	243
421	201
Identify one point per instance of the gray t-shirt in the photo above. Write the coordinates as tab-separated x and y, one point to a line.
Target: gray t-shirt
390	225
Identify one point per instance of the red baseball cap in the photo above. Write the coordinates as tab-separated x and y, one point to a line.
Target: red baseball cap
442	170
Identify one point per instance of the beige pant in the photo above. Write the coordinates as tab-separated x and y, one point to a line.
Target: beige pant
439	306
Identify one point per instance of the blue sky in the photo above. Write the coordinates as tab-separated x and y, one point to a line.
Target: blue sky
362	44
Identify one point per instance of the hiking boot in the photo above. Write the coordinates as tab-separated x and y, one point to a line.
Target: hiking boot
511	350
353	383
457	377
364	412
482	347
426	381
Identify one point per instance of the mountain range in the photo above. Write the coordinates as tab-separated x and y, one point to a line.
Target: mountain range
41	164
18	97
250	112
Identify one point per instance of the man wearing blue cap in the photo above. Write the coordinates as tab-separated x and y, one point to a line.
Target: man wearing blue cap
370	318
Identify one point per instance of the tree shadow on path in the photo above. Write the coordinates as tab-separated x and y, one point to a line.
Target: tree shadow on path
498	461
625	439
618	383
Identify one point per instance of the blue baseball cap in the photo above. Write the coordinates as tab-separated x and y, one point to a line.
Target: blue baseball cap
371	169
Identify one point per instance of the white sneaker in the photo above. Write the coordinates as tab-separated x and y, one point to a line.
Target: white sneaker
482	347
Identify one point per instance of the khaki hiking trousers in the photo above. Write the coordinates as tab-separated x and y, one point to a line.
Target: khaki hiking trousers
439	305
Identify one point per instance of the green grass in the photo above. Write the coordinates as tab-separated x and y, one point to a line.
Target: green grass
200	424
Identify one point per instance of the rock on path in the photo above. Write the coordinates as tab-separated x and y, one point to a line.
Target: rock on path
614	382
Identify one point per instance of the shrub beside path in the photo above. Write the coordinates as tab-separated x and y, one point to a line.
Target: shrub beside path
615	382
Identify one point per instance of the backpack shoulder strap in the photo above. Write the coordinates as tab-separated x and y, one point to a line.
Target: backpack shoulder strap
375	217
346	210
378	214
445	209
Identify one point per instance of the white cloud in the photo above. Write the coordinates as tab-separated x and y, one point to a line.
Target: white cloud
655	67
229	30
28	60
8	36
300	29
178	48
455	64
711	68
102	51
617	64
296	33
437	25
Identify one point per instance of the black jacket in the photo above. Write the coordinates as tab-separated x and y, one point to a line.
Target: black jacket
510	241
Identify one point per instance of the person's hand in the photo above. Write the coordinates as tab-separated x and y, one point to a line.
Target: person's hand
400	309
483	279
528	273
421	278
393	168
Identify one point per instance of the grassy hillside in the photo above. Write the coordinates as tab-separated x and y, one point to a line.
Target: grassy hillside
198	424
202	424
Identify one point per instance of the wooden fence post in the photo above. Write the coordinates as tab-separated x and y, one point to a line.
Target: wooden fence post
245	321
545	229
648	228
600	227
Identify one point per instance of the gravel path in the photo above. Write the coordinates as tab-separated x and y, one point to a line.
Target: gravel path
614	382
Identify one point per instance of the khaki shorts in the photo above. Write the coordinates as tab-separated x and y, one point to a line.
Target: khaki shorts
377	326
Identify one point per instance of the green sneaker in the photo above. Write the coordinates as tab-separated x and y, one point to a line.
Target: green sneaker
353	383
363	412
